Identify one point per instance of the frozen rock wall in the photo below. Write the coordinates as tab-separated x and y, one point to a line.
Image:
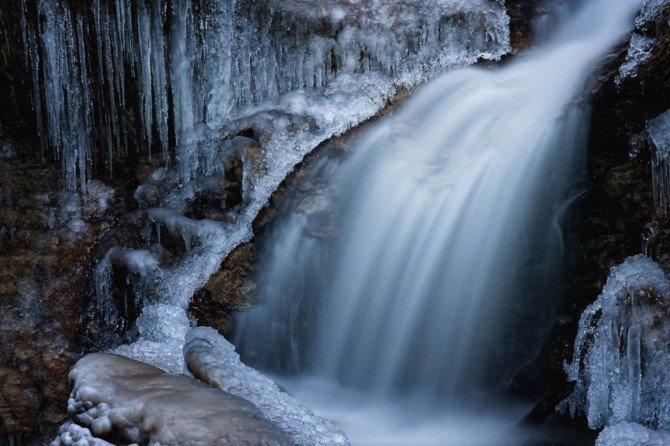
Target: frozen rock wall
116	79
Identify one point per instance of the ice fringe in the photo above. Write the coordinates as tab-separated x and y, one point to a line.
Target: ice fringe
642	41
631	434
71	434
220	57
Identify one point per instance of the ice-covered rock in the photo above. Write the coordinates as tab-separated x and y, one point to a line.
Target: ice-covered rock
213	359
117	396
621	362
639	52
643	40
141	272
71	434
649	12
631	434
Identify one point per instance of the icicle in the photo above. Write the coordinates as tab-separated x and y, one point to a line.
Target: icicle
659	139
187	240
633	352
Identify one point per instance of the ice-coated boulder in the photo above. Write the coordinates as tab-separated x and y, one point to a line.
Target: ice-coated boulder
117	397
211	358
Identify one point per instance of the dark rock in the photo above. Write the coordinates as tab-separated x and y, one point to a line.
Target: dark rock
614	215
521	13
545	408
230	289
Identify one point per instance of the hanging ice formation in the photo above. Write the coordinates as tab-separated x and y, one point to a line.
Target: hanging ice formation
114	79
620	362
659	141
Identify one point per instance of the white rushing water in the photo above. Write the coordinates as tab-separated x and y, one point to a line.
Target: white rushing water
440	281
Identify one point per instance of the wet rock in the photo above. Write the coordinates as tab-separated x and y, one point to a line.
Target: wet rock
547	406
16	386
521	13
45	238
231	289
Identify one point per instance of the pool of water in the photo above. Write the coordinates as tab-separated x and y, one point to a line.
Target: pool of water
372	421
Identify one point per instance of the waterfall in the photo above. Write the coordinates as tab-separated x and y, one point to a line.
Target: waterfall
289	76
447	263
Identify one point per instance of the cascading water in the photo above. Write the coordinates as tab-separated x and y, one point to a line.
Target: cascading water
440	282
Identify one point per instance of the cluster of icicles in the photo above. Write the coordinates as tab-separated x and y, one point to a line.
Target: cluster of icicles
102	70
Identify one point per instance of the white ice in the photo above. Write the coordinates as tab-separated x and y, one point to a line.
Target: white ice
621	362
659	141
213	359
631	434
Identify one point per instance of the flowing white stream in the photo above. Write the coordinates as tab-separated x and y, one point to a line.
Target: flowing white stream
440	282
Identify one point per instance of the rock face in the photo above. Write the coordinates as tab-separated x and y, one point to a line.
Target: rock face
45	237
521	14
614	215
125	401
